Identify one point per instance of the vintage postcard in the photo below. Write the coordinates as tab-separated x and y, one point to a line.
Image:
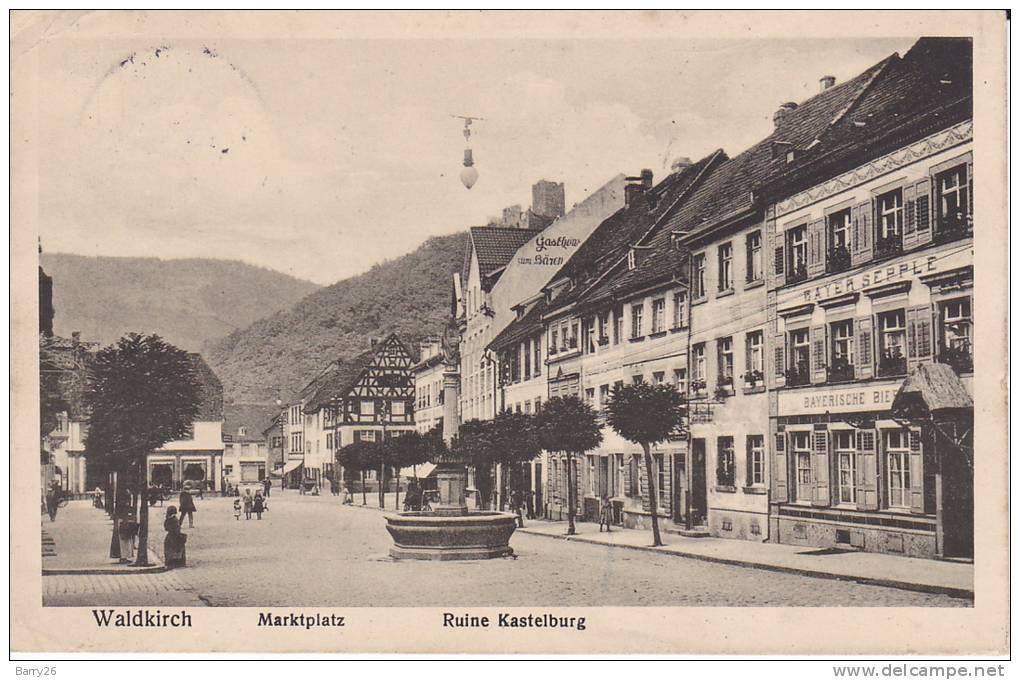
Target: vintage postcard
509	332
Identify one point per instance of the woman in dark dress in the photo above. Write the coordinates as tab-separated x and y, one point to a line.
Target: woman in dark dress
187	508
259	505
174	553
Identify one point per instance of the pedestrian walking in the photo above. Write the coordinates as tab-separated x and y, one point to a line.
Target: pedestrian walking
53	500
97	498
267	485
237	508
345	496
258	505
605	514
188	508
127	531
174	552
248	502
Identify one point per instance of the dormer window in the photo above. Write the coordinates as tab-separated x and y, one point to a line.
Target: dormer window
631	260
242	431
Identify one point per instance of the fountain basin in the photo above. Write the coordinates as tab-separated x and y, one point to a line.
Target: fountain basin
473	536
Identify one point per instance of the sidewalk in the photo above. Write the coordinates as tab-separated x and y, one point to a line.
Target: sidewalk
79	542
907	573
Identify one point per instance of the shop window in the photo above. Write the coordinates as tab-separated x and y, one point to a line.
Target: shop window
753	257
726	468
800	447
897	458
956	331
797	249
846	462
799	371
892	338
889	239
755	460
698	276
837	259
841	349
725	267
724	347
659	315
953	202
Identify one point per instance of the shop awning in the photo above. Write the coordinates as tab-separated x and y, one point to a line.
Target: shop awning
291	466
931	389
423	471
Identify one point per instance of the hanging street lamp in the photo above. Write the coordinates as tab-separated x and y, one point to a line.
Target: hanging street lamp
469	175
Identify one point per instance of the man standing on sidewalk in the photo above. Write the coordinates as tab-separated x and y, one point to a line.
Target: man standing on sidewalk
53	501
187	508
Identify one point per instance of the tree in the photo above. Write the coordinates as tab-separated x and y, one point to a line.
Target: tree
473	445
514	438
407	449
355	457
143	394
647	414
572	426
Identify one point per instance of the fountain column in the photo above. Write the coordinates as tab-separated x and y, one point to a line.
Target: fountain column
451	475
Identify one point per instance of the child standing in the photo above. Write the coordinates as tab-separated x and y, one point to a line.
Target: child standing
237	508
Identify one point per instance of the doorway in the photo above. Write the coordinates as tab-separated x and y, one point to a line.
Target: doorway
679	487
699	484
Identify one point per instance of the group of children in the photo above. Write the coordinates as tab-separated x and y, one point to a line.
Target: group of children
250	504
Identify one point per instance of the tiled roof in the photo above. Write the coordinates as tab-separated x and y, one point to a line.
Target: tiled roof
495	246
255	418
601	252
335	381
522	328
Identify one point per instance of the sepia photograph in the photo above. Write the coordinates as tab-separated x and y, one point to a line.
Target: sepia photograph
505	327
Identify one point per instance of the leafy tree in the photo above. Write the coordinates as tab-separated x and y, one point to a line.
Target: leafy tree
143	394
647	414
514	443
572	426
473	444
356	457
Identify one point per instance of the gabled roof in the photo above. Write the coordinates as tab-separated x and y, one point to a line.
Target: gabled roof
604	251
495	246
255	418
523	328
336	381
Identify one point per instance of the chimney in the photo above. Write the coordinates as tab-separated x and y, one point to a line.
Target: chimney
75	337
781	112
680	163
646	179
825	82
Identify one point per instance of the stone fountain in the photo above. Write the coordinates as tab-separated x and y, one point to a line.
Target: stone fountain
449	531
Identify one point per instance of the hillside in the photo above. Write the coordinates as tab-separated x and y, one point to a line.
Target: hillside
409	296
189	302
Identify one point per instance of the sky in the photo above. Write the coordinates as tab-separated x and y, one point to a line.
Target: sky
319	158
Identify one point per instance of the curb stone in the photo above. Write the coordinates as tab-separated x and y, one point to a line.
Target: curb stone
960	593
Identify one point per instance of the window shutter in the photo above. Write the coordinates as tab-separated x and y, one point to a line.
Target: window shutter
780	487
820	466
919	343
816	248
909	215
747	354
855	229
666	492
863	236
626	480
865	356
867	470
923	211
970	189
916	474
779	267
818	354
779	372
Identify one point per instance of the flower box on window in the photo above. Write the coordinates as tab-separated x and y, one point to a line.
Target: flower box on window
798	374
841	370
837	260
959	358
797	273
955	225
892	363
698	388
888	246
754	379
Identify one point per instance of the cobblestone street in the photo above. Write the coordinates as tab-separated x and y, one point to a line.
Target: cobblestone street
310	551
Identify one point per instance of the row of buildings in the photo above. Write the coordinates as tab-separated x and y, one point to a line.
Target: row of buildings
811	296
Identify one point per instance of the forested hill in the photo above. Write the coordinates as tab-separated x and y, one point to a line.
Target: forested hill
190	302
409	296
